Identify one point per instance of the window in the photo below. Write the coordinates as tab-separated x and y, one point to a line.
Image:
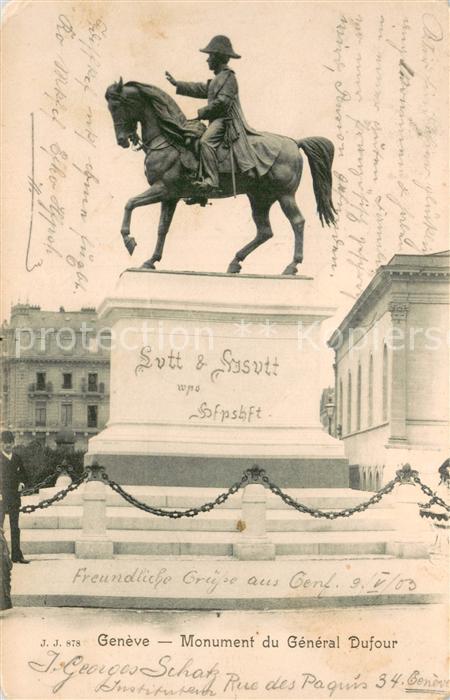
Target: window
370	393
67	380
349	403
92	419
385	383
66	414
92	381
40	381
41	413
341	404
358	400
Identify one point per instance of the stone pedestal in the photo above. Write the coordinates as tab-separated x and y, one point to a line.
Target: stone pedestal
211	373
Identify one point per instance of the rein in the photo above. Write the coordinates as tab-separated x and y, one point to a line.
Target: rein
136	140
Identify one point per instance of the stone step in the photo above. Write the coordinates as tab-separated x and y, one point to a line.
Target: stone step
183	583
169	543
119	518
184	497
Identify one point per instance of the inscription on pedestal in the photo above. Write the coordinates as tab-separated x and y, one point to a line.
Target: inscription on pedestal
219	386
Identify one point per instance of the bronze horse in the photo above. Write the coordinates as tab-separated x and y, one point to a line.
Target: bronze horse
165	132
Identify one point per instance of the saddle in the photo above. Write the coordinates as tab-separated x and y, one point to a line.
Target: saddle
190	150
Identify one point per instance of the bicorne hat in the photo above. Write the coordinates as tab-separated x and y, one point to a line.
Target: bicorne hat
220	44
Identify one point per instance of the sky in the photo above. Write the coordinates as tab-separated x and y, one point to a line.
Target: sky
306	69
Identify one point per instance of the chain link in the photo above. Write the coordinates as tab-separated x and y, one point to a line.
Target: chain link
42	484
188	513
57	497
48	479
434	499
328	514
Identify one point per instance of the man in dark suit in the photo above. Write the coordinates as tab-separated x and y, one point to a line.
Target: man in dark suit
12	476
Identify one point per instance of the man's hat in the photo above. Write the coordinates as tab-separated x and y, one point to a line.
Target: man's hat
220	44
7	436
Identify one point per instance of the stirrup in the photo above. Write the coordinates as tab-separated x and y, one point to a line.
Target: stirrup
200	199
203	187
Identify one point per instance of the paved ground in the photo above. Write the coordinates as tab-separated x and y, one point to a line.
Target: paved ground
318	653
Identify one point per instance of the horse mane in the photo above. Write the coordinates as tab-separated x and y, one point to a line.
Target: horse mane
171	119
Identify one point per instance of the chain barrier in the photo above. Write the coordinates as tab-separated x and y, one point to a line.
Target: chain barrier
42	484
405	475
57	497
189	512
329	514
48	479
434	499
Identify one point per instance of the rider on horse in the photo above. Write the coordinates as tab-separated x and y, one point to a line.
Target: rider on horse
224	113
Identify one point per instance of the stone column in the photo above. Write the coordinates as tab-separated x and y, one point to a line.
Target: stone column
94	543
397	404
255	544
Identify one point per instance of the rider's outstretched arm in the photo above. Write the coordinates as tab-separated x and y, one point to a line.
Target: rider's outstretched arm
199	90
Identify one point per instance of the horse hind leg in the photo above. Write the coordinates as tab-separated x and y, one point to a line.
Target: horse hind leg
260	213
293	213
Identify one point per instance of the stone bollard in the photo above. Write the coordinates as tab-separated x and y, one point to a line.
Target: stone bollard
64	479
254	544
94	543
411	540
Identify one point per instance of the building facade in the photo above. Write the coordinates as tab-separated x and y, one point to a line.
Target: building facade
392	371
55	374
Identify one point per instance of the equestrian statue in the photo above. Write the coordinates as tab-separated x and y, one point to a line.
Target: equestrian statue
186	160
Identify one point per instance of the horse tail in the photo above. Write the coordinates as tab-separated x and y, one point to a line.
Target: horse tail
320	152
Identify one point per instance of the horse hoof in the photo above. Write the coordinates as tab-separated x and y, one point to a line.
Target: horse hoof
234	267
130	244
148	265
290	270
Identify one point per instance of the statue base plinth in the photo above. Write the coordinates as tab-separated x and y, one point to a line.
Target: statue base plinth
212	373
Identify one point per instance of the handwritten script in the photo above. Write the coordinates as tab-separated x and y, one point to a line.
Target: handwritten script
384	76
63	140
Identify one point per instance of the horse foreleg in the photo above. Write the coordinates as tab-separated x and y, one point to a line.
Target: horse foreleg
260	213
167	212
293	213
151	196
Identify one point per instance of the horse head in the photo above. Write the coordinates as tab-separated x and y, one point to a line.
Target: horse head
125	106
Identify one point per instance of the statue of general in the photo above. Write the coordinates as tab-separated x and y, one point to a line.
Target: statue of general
224	113
234	159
